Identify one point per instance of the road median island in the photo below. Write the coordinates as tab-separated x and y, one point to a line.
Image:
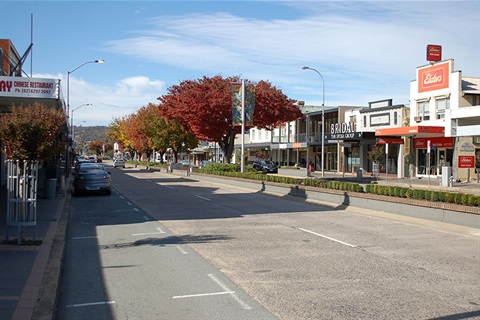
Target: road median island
463	215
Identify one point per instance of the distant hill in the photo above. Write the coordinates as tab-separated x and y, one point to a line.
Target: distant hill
83	135
90	133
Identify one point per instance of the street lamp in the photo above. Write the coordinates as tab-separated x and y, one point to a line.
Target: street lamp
323	118
71	118
68	80
67	160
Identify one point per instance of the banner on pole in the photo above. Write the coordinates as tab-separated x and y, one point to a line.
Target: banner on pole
237	104
249	105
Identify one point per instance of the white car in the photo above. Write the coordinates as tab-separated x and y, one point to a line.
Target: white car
119	163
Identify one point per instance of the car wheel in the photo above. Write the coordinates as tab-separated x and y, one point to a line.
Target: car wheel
109	192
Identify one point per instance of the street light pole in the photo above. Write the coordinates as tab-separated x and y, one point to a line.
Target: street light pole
68	80
67	160
71	118
323	118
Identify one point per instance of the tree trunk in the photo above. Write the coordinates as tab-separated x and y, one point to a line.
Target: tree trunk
228	145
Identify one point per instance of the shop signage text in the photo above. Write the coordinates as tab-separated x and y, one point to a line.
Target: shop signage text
466	162
390	141
28	87
434	52
434	77
441	142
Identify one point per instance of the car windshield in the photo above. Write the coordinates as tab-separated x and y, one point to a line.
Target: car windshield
268	162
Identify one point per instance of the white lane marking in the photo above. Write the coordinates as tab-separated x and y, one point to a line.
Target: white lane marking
329	238
123	210
129	203
160	231
169	187
149	180
146	218
232	293
135	209
181	250
121	197
81	238
200	295
202	198
89	304
145	234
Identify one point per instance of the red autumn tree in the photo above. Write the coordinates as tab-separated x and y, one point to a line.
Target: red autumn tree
33	132
98	146
204	106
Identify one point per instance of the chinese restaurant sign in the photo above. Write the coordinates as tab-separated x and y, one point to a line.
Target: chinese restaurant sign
23	87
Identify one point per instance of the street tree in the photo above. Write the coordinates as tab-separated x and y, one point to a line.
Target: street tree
32	132
204	107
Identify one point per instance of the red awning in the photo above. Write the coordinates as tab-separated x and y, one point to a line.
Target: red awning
417	131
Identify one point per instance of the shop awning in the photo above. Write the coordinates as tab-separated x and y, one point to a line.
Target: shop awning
417	131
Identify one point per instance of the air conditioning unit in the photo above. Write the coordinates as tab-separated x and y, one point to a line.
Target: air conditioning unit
417	119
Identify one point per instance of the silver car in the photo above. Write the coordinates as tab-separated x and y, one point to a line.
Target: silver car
92	178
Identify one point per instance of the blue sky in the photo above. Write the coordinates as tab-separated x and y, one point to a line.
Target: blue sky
366	51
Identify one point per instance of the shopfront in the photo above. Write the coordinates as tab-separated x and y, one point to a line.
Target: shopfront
432	154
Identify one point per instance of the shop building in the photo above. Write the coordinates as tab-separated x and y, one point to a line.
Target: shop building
444	126
379	114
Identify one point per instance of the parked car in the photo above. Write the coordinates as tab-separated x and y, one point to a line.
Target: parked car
186	163
203	163
79	161
92	178
266	166
119	163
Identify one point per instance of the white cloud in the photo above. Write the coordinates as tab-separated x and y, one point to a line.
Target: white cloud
124	98
364	50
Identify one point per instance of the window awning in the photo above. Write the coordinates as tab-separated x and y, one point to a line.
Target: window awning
417	131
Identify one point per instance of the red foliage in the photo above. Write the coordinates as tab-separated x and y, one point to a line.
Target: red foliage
204	107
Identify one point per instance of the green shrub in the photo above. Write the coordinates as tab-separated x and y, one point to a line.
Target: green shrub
450	197
418	194
442	196
473	201
435	196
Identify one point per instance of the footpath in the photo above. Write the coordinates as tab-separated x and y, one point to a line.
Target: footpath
30	274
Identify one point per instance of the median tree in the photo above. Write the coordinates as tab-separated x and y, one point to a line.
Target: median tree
204	107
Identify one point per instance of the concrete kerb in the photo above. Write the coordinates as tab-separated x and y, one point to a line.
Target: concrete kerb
45	306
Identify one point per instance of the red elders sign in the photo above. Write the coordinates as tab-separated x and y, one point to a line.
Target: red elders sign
434	77
466	161
434	52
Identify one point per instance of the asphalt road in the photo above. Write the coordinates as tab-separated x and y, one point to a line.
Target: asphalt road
169	247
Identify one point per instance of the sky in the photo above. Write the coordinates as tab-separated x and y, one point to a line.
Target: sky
365	50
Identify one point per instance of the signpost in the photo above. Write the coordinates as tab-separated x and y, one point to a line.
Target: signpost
466	162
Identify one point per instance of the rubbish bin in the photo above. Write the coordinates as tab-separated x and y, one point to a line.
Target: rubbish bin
51	189
360	173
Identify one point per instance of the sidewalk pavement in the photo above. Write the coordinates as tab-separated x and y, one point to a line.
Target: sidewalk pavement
29	275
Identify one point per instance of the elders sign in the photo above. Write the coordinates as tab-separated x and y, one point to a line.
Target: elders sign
466	162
